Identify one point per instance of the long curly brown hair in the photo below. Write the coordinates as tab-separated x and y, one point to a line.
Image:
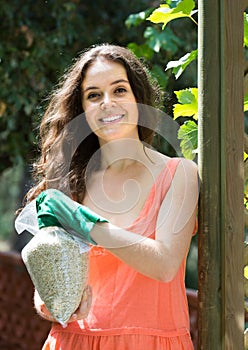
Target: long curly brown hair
66	142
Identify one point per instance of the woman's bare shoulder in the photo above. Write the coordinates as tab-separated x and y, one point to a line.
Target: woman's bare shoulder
157	158
160	161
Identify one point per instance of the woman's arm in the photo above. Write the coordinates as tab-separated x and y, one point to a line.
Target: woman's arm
160	258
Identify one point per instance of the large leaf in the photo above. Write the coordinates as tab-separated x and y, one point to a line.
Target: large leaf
246	29
164	14
188	133
188	103
180	65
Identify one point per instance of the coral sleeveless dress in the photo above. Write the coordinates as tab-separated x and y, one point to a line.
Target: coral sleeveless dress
129	310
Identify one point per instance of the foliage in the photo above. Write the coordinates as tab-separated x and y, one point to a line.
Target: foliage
187	105
38	40
246	102
9	189
188	131
179	66
188	134
187	98
159	45
245	29
164	14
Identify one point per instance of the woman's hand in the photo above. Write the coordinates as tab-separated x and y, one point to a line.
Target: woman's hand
84	307
79	314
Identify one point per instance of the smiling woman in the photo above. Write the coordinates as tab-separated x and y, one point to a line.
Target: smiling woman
148	202
108	101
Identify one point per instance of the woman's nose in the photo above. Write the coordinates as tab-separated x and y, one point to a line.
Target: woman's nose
107	102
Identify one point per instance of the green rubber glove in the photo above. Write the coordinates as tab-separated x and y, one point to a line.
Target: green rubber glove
54	208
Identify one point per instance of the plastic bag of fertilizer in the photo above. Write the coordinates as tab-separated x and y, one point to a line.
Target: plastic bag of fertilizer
57	263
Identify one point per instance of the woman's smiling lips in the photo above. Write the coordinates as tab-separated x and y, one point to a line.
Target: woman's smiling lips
111	118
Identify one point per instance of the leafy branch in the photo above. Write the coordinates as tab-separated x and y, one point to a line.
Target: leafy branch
164	14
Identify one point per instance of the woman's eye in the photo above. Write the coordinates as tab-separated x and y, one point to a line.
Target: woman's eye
120	90
92	95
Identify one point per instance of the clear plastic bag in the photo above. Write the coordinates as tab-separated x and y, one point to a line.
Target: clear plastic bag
57	263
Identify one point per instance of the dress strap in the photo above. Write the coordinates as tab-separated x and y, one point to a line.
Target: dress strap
165	178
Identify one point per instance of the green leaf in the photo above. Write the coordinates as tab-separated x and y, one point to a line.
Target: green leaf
245	156
180	65
188	133
141	50
246	272
188	103
136	19
246	102
166	39
246	29
154	38
164	14
185	6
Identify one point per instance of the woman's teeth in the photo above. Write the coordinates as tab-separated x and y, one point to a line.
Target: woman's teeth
111	118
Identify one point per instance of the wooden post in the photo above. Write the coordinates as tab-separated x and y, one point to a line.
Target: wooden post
221	120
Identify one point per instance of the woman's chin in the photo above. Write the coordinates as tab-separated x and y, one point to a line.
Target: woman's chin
111	133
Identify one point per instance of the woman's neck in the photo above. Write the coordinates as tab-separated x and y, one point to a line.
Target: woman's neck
120	154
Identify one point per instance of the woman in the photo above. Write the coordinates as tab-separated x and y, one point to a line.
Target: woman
137	266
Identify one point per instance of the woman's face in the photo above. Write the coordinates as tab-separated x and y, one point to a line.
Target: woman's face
108	101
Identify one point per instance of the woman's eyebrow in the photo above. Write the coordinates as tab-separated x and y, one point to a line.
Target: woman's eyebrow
113	83
119	81
90	88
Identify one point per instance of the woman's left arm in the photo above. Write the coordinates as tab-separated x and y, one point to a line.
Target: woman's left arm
160	258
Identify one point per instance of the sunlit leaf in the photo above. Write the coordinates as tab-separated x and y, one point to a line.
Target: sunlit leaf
164	14
186	110
179	66
188	103
246	272
246	102
188	134
246	29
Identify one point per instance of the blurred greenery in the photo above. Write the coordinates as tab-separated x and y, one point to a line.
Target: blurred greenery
9	189
38	40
